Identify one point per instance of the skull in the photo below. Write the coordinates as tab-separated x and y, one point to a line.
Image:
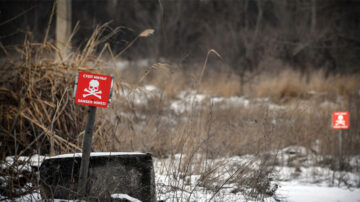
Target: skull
94	85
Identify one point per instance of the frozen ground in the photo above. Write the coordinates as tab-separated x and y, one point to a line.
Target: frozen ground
310	183
288	192
294	191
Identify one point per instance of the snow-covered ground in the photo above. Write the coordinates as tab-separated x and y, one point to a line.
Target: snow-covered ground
294	191
308	183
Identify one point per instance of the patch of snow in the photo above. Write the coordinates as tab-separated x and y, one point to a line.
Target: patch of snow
296	184
312	92
151	88
275	107
296	155
355	161
315	146
36	160
262	99
142	63
122	64
187	101
24	163
191	100
178	107
124	196
72	155
235	101
296	192
328	105
28	197
135	95
216	100
172	186
152	91
140	96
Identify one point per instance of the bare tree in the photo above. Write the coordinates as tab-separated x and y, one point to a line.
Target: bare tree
63	26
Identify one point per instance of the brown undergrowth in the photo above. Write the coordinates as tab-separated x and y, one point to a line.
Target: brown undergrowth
283	108
38	114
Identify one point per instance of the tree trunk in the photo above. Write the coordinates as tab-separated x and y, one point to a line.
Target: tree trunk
313	17
63	26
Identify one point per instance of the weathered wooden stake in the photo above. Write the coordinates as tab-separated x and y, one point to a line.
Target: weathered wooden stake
340	149
86	151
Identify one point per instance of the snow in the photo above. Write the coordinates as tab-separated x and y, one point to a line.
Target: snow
275	107
288	191
189	100
124	196
140	95
328	105
235	101
34	160
297	192
151	88
306	183
122	64
72	155
24	162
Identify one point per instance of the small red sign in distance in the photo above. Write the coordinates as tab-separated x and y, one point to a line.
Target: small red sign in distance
340	120
93	89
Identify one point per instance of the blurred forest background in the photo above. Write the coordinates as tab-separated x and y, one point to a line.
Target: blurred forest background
304	34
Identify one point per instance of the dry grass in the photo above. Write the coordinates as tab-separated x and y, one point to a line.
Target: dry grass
304	118
39	116
282	85
291	84
37	111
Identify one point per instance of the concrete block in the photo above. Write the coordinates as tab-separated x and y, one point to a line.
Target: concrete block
109	173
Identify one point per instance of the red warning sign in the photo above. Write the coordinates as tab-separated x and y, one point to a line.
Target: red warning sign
340	120
92	89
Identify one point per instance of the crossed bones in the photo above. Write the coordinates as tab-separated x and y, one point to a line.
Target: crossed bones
94	93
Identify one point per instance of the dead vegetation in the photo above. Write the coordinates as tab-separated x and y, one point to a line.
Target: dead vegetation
37	111
39	116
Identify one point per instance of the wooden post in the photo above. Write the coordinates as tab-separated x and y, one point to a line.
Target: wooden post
340	150
63	26
86	151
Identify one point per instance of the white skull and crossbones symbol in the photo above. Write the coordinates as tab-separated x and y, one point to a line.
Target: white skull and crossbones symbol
340	120
93	89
